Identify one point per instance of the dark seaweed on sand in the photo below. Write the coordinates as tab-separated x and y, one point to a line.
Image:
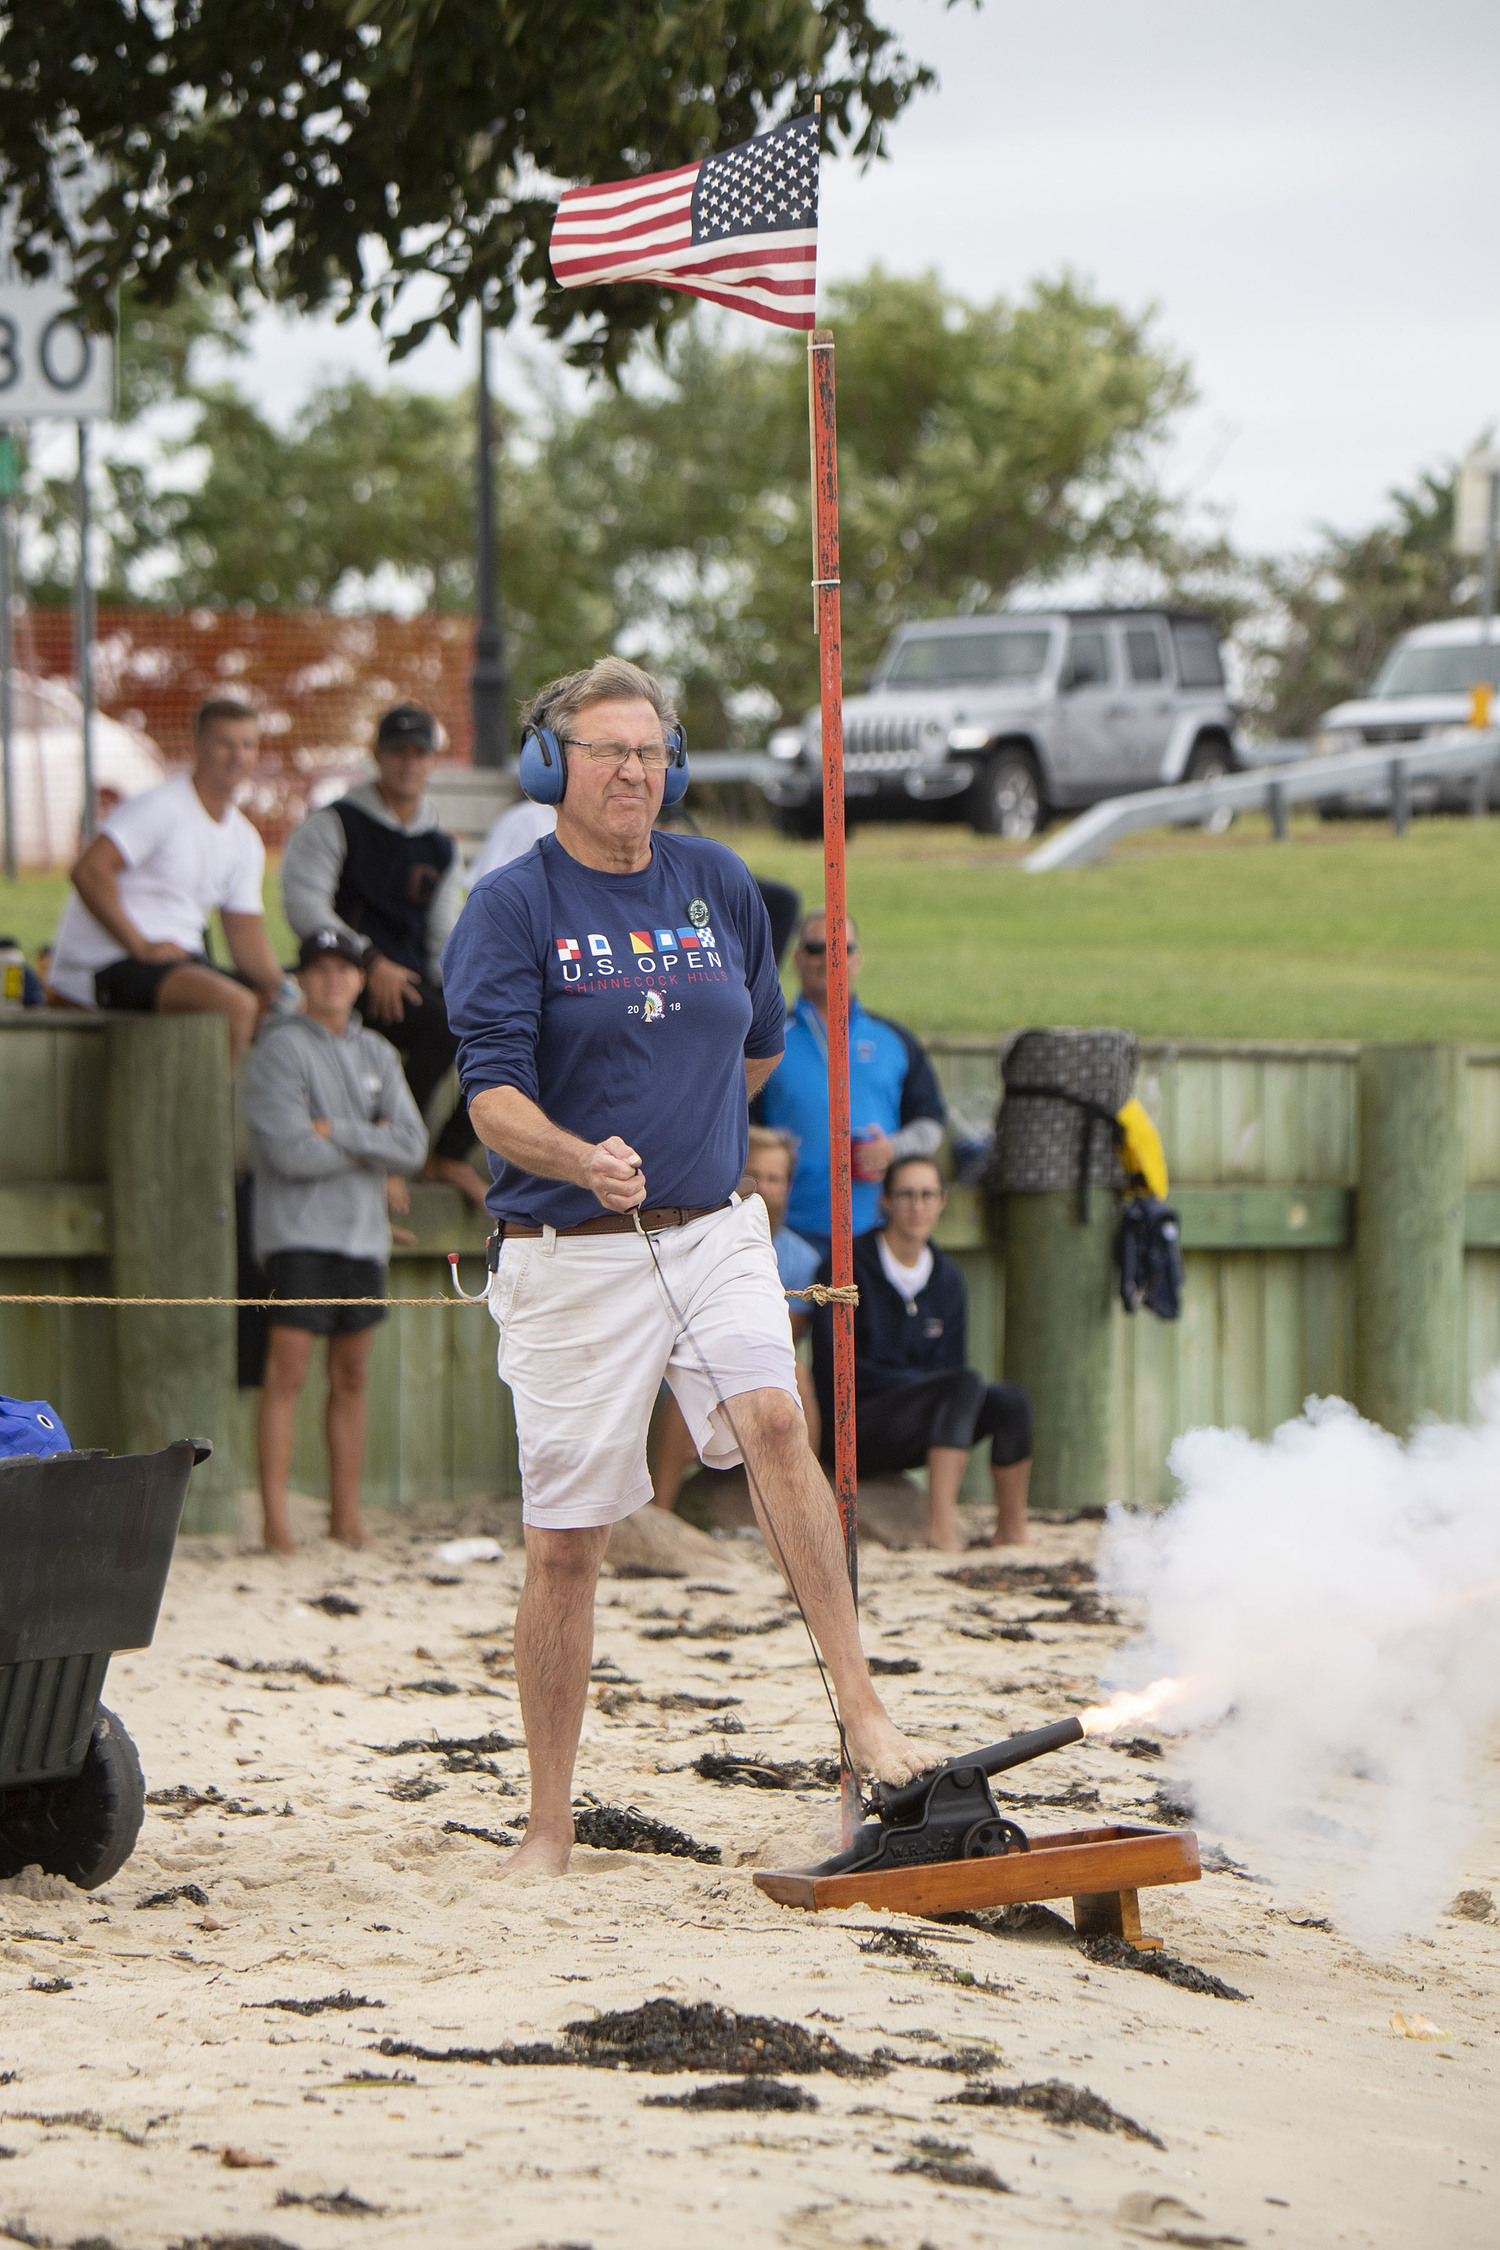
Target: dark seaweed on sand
952	2166
412	1788
1061	2104
737	2093
336	1605
339	2002
345	2205
449	1744
485	1835
893	1667
716	1629
1022	1578
1118	1953
185	1894
767	1773
668	2035
624	1828
297	1665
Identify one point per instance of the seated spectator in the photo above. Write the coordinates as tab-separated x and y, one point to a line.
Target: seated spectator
768	1174
915	1401
376	864
330	1115
136	934
895	1108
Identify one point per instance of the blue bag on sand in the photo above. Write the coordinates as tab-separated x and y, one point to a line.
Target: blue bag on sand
30	1425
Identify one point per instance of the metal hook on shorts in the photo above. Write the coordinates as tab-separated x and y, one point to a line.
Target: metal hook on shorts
469	1296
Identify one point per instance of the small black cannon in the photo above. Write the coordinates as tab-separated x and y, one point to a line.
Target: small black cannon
86	1542
948	1814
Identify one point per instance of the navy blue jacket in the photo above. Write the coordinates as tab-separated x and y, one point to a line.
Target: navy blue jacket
891	1345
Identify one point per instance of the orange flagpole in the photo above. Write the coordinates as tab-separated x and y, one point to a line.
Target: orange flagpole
825	489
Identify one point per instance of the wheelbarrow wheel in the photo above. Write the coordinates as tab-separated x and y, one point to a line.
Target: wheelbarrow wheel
84	1829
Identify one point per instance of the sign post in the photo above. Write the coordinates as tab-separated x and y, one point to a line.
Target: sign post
51	365
1476	528
9	478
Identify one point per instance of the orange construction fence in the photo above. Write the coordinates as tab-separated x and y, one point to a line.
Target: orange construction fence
319	684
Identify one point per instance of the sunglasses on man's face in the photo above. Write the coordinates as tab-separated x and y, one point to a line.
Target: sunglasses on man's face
817	947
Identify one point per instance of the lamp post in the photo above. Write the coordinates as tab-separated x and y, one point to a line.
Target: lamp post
489	686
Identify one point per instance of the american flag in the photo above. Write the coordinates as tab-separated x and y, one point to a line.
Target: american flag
741	228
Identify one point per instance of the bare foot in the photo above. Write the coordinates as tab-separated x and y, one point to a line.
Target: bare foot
452	1171
279	1541
1004	1537
539	1855
948	1543
881	1752
353	1535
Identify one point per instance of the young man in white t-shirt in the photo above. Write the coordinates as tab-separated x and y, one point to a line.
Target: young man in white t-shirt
134	936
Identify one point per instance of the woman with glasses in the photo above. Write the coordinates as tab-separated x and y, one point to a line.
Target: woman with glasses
916	1403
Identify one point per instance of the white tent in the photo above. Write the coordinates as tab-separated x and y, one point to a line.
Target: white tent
46	768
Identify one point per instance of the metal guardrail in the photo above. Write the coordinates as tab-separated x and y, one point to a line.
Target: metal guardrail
1471	752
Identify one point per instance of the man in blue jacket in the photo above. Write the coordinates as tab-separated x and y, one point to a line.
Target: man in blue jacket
895	1108
917	1403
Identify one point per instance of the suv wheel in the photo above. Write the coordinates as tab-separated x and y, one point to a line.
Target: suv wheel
1211	761
1006	798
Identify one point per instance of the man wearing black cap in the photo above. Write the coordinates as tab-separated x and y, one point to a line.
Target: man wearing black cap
377	865
331	1118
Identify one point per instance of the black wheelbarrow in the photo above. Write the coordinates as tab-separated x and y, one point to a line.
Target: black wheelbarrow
85	1546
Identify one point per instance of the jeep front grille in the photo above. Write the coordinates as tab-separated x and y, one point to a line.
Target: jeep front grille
883	745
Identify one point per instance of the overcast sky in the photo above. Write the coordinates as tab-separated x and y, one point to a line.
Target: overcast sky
1307	192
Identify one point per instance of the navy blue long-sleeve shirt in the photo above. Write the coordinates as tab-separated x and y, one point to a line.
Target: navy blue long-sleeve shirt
891	1345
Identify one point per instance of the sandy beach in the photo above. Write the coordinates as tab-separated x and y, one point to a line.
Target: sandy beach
313	1840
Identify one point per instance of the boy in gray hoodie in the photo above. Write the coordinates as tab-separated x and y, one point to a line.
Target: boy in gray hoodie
330	1115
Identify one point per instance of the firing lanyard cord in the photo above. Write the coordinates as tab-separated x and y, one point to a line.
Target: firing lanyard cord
754	1482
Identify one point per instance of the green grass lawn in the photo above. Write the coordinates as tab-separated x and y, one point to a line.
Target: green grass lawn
1343	932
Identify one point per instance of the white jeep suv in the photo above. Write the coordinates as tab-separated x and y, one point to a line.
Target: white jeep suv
1002	719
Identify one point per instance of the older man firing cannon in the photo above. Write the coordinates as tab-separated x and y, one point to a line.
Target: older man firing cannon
615	996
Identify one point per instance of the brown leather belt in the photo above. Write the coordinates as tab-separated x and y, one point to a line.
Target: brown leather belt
614	1222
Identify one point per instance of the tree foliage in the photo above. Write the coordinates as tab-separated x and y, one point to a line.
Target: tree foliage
330	151
979	446
1334	613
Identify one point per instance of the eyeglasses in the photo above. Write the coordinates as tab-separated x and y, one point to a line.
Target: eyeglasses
817	947
654	756
915	1195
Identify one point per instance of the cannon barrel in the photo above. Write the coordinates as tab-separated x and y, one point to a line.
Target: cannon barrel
905	1803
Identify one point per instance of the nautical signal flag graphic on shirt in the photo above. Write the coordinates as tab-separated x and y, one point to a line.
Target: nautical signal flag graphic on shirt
653	941
740	229
640	941
705	936
567	949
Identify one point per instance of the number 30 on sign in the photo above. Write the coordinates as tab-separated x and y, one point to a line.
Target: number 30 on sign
49	362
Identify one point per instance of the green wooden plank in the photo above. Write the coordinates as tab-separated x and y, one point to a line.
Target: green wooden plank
1482	1218
1264	1218
1482	1120
54	1219
1481	1338
962	1225
442	1220
29	1139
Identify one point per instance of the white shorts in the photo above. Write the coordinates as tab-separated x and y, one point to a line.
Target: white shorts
586	1337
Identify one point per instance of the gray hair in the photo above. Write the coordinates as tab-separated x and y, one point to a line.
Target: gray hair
611	679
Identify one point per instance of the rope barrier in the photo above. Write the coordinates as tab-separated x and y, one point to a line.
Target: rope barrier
820	1292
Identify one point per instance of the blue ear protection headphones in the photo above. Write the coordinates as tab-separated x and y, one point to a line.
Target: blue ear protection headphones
544	765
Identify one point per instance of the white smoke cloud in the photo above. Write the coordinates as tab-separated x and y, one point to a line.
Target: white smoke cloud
1332	1598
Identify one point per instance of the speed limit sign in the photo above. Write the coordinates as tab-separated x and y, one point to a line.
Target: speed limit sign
49	362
